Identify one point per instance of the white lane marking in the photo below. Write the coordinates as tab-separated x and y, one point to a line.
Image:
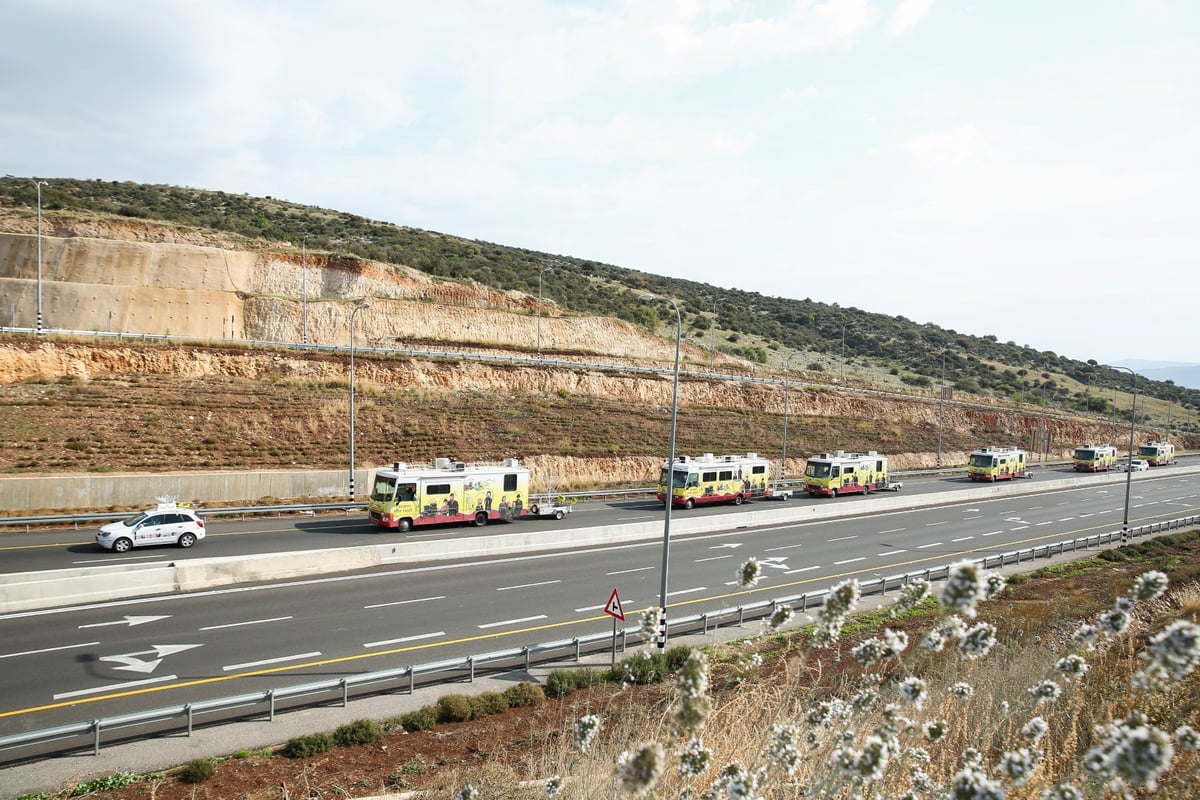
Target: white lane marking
977	516
1067	519
688	591
1034	508
802	569
961	539
992	533
887	553
406	602
783	547
627	571
49	650
510	621
894	530
1019	528
644	516
1065	503
266	661
710	558
1081	516
527	585
417	637
932	524
112	687
130	621
1047	522
931	544
151	557
247	622
849	561
842	539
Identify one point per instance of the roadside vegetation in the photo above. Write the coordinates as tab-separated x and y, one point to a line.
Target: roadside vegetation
1075	681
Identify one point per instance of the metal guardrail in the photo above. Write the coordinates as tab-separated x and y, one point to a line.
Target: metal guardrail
505	660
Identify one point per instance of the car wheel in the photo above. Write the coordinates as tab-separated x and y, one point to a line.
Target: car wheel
122	545
480	519
690	504
533	509
404	525
558	514
737	500
187	540
833	493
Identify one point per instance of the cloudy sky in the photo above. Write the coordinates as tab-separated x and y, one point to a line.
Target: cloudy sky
1022	168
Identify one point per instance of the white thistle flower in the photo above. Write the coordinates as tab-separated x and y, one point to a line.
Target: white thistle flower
911	596
467	792
782	753
553	786
694	759
1034	730
972	783
749	573
1064	791
1132	753
1149	586
962	690
1086	636
781	616
915	691
1072	666
586	729
1173	653
1045	691
638	773
965	586
648	625
1018	765
977	641
1187	737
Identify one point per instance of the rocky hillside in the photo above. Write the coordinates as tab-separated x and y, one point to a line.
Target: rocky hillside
81	403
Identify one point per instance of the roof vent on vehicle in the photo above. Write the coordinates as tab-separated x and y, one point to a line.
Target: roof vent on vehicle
441	463
399	466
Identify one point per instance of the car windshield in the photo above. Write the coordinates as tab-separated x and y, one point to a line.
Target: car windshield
134	521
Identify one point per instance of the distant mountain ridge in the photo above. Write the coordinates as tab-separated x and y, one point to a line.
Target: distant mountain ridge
1181	373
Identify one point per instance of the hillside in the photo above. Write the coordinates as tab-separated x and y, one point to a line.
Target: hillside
221	399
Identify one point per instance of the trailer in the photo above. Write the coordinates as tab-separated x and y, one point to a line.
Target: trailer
550	507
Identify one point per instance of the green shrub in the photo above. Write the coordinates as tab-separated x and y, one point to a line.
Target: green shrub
643	668
562	682
486	704
310	745
676	656
197	771
118	780
453	708
361	731
422	719
524	694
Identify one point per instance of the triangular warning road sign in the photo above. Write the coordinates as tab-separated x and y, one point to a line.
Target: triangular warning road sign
613	607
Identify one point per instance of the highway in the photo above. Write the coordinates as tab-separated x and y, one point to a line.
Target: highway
92	661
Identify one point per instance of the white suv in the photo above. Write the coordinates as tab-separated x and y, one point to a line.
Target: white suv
1136	465
167	523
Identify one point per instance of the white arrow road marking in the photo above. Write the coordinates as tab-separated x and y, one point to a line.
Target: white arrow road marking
130	621
776	562
135	664
730	545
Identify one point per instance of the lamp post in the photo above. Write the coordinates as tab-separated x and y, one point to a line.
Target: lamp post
1129	463
539	312
39	185
670	478
842	379
304	290
941	409
783	457
359	306
712	339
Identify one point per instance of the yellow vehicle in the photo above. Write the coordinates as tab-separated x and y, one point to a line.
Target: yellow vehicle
997	464
1095	457
449	491
833	474
715	479
1157	454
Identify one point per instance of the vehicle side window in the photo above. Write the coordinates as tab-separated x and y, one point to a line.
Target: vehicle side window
157	519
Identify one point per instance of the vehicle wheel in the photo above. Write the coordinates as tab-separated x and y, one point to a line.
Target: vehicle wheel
187	540
833	492
690	504
867	489
558	514
404	525
480	519
122	545
737	500
533	509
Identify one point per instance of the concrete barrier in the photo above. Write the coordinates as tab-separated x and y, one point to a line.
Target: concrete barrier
34	590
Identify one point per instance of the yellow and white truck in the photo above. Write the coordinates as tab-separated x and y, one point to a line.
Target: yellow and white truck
715	479
833	474
404	497
1157	454
997	464
1094	457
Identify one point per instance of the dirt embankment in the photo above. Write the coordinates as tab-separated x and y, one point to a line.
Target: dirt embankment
70	404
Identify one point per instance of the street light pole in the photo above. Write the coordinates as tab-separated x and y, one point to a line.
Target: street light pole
1129	462
539	312
783	457
304	289
842	379
712	339
670	479
941	409
39	185
359	306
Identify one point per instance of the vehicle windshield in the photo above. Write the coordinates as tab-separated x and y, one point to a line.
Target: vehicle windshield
680	480
983	461
384	489
1147	451
1085	455
817	470
134	521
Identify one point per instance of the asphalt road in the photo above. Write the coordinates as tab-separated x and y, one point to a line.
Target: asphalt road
72	664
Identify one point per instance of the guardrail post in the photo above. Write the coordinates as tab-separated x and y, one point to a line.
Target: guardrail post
741	616
576	643
470	669
345	692
96	741
704	624
271	702
188	709
525	650
412	681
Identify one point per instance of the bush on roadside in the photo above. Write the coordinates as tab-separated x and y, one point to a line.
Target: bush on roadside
197	771
422	719
524	694
562	682
643	668
486	704
310	745
453	708
361	731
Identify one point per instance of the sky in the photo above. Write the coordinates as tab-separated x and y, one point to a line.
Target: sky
1021	168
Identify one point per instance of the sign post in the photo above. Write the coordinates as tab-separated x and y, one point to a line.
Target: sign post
614	610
